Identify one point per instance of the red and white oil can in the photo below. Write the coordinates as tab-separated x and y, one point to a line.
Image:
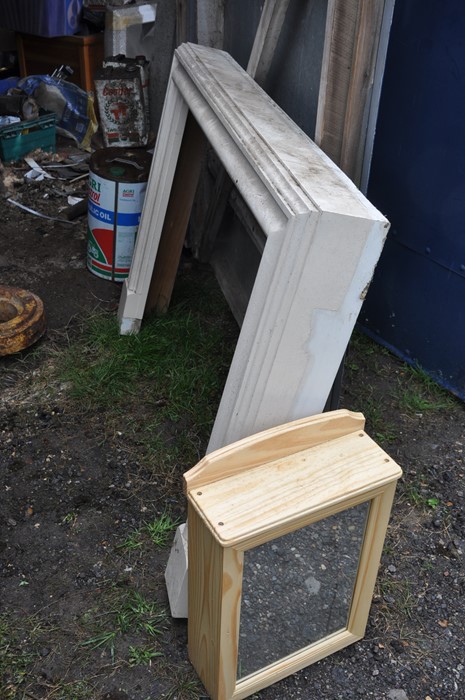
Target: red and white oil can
117	184
121	87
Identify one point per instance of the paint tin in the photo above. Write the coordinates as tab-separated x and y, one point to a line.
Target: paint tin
143	67
121	87
117	184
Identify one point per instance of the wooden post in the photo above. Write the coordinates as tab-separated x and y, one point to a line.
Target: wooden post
210	23
182	13
351	46
265	42
266	39
177	217
215	574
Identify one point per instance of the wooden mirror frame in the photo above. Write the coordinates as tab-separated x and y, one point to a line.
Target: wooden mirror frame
257	490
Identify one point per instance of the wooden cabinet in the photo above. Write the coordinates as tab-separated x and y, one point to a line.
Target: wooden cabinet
41	55
320	488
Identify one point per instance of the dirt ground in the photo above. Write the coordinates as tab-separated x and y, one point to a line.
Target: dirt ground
71	493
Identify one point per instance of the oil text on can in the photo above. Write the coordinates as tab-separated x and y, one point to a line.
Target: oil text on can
117	184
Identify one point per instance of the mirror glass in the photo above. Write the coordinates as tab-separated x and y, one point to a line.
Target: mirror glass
297	589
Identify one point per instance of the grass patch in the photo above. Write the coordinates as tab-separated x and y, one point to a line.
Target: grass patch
399	598
418	392
364	351
16	660
157	532
127	613
365	358
411	390
394	612
76	690
160	529
161	387
142	656
377	425
185	687
177	355
19	641
418	494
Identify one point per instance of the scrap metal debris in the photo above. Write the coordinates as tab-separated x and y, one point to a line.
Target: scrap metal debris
48	175
38	213
40	173
22	319
77	209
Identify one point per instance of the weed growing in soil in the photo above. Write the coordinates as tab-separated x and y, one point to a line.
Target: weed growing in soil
15	660
125	613
142	656
20	640
185	689
398	594
418	392
77	690
415	391
160	530
418	495
362	360
157	532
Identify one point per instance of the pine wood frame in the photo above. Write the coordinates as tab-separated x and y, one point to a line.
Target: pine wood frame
323	241
244	495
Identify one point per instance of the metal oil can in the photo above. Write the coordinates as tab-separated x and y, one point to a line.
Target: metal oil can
117	184
121	87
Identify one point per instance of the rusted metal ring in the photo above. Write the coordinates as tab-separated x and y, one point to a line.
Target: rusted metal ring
22	319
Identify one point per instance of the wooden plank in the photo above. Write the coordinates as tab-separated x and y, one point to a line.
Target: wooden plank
275	497
231	592
185	182
378	519
265	42
210	23
361	81
182	15
136	287
352	37
215	584
274	443
266	39
375	92
341	23
204	602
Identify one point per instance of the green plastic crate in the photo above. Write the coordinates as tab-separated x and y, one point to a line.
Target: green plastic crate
16	140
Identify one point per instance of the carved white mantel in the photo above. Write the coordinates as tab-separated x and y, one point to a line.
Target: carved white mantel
323	239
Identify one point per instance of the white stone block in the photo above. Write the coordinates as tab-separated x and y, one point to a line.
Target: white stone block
176	573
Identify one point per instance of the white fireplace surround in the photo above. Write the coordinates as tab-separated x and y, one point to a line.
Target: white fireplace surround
323	239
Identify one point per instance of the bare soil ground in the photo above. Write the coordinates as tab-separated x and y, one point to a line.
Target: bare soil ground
83	614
